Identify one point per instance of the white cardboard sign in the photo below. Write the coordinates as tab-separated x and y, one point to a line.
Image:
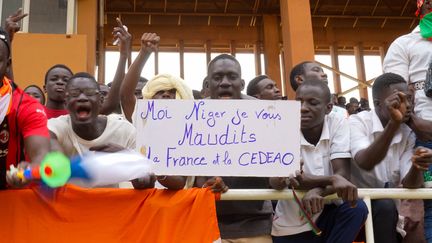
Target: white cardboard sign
220	137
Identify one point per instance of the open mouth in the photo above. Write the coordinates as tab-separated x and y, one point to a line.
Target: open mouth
225	95
83	112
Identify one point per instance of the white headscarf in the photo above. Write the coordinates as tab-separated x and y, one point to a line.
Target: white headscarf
166	82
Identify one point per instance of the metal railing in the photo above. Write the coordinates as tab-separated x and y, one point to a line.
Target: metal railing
365	193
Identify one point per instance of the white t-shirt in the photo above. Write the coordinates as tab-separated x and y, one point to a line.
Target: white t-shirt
365	128
117	132
333	144
339	111
410	56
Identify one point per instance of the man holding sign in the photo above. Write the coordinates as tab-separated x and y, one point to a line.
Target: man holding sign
326	154
249	221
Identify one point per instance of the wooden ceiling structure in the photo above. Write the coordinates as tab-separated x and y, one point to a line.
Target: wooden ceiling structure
358	27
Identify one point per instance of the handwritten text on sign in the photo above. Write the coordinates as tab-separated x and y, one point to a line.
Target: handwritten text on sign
220	137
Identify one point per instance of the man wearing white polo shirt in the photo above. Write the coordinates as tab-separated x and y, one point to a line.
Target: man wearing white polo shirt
326	155
410	56
382	146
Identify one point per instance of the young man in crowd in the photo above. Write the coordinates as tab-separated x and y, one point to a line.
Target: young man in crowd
309	70
239	221
23	132
409	56
263	88
353	106
139	87
83	128
35	92
56	79
341	102
325	153
382	146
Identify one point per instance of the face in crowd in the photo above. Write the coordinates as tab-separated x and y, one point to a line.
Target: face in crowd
268	90
380	104
36	93
83	100
315	103
138	90
224	79
104	90
313	71
55	83
165	94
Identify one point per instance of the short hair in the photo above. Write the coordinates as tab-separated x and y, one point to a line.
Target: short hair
353	100
39	89
221	57
252	88
83	75
57	66
384	81
321	85
142	80
340	98
4	36
298	69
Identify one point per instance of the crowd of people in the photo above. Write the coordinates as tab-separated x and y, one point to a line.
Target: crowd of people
343	146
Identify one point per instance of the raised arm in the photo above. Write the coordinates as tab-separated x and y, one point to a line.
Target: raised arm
113	98
12	26
149	43
12	23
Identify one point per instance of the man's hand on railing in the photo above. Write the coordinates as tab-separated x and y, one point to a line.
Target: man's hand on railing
313	201
345	189
216	184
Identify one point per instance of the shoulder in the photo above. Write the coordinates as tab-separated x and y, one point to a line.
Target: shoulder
401	40
58	122
115	123
364	116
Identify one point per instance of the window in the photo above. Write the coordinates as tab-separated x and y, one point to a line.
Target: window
48	16
9	7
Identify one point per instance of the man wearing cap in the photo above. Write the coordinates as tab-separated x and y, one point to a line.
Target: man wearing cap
410	56
23	124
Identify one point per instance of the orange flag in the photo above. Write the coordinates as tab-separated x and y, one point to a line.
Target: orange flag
108	215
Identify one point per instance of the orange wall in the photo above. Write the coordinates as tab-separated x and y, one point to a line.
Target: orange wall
33	54
87	16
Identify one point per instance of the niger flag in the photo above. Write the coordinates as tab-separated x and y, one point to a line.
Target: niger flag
108	216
